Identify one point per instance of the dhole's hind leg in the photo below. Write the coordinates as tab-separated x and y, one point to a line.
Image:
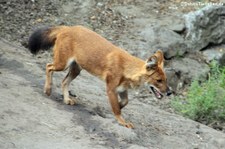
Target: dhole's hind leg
57	65
48	82
74	71
50	68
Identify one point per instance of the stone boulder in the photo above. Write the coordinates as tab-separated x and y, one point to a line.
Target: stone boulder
194	32
170	42
215	54
205	27
183	70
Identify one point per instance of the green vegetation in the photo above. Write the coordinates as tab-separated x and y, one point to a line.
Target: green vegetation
205	102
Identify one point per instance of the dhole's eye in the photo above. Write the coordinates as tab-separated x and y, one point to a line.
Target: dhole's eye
159	81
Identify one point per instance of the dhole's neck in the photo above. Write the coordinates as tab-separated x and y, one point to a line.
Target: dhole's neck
135	73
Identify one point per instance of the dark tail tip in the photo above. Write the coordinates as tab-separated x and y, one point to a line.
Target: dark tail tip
39	40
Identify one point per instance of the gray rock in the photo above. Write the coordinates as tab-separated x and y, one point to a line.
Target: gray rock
170	42
174	79
184	70
217	54
204	27
177	25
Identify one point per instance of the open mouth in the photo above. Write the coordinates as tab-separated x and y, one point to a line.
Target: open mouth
157	94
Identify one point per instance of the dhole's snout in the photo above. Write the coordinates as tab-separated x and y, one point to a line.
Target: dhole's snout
159	94
169	91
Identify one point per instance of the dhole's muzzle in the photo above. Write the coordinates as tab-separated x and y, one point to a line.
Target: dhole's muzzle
156	77
158	94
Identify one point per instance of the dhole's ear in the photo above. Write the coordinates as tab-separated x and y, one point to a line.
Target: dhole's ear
160	58
151	62
156	60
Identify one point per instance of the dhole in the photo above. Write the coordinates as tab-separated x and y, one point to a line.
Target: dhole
79	48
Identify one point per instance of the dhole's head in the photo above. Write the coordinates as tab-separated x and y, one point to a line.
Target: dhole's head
155	77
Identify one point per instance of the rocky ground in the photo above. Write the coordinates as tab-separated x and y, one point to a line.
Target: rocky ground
29	119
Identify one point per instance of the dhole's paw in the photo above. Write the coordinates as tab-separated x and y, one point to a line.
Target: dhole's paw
47	91
129	125
69	101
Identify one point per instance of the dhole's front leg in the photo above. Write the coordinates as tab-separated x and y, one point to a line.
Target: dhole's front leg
113	99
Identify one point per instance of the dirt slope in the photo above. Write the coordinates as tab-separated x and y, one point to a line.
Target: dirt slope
29	119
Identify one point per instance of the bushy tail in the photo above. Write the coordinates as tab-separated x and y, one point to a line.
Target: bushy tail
43	38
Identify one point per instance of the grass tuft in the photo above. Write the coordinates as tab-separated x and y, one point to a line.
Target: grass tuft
205	101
